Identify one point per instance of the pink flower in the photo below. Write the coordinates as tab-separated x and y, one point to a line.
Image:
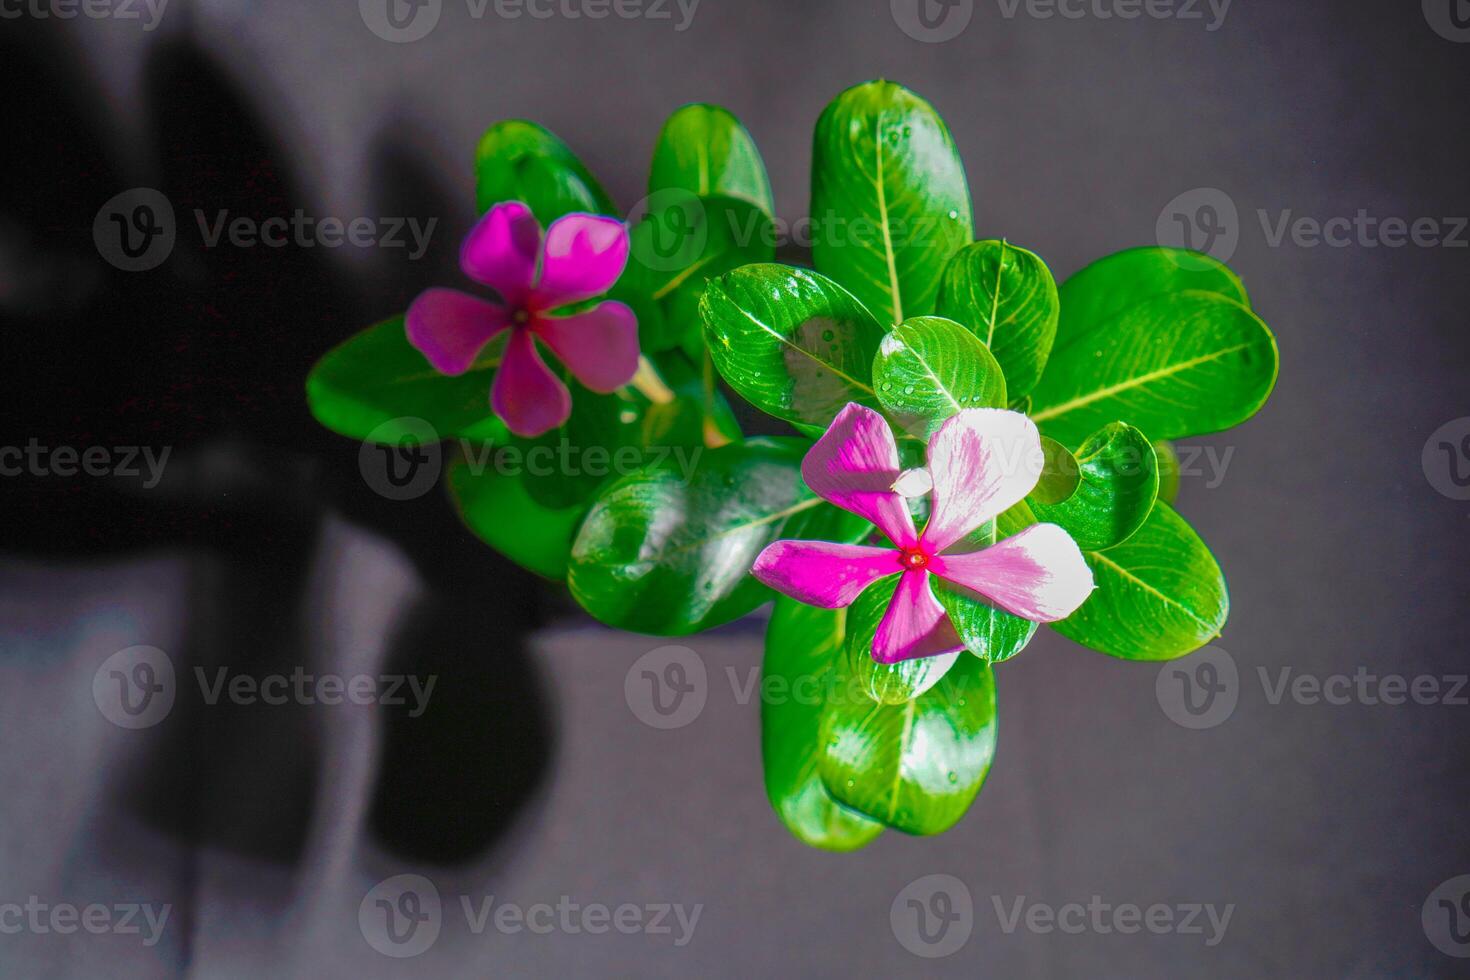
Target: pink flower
581	257
980	464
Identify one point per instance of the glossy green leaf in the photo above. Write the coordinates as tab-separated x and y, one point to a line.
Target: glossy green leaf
1168	463
676	249
703	149
889	200
1096	294
497	508
885	683
1175	365
667	550
990	633
928	368
375	383
1160	594
803	644
1118	486
520	161
914	766
791	342
1008	297
1060	474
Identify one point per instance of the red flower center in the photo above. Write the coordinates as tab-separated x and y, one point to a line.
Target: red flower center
520	316
912	558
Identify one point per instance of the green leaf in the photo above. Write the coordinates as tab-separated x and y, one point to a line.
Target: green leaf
1160	594
565	466
703	149
1060	474
1175	365
885	683
1168	461
520	161
928	368
1118	487
667	550
1008	297
679	246
802	647
889	200
791	342
497	508
699	415
990	633
367	386
915	766
1096	294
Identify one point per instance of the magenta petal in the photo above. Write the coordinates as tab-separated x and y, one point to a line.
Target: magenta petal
526	394
915	624
1038	574
451	327
983	461
500	251
600	346
583	256
819	573
854	465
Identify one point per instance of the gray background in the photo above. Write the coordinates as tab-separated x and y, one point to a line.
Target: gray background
1326	826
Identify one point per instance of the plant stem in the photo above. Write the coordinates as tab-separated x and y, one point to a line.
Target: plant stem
650	384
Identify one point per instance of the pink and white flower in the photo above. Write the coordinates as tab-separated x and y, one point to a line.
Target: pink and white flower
978	464
581	256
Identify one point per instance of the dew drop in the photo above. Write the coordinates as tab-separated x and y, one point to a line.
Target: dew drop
828	335
954	777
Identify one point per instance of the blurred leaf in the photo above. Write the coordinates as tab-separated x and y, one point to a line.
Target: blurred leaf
520	161
802	647
497	508
668	551
915	766
704	150
369	385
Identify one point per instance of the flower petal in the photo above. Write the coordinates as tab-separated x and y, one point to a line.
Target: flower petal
1038	574
583	257
854	465
500	251
526	394
451	327
600	345
983	461
915	624
820	573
